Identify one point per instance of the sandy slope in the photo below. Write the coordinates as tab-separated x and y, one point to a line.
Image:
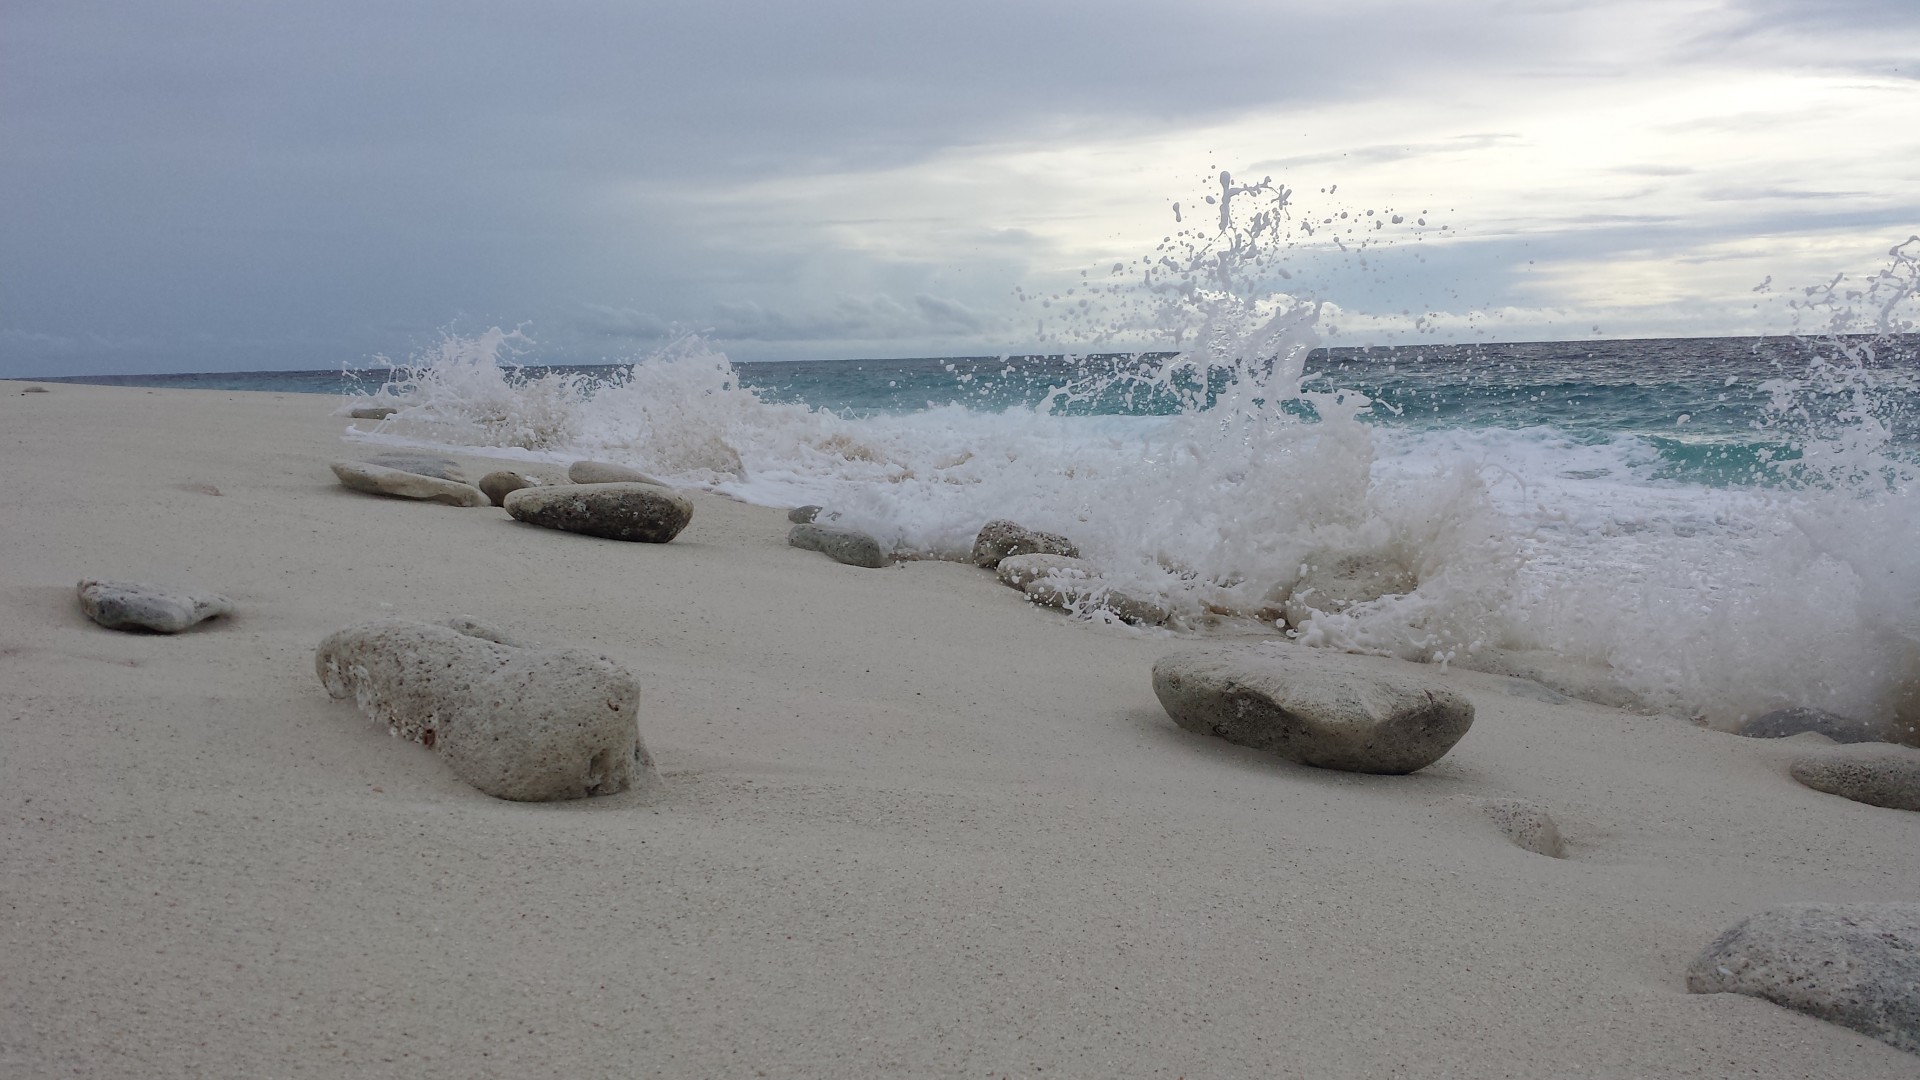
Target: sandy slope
910	825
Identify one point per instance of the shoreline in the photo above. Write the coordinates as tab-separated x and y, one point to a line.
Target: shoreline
908	824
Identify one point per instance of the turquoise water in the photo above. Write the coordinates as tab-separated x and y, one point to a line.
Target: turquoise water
1700	404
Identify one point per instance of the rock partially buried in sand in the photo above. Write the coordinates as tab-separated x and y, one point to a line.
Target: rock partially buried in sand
1320	708
848	546
444	468
1783	723
402	484
1878	776
503	482
605	472
1856	965
1527	824
801	515
641	513
36	390
127	605
1000	539
530	725
1019	571
372	412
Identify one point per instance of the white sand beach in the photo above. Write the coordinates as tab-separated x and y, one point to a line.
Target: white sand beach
907	824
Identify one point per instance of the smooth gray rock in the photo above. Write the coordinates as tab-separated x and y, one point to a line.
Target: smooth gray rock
1332	582
406	484
1856	965
642	513
503	482
531	725
1781	723
802	515
372	412
1000	539
848	546
128	605
605	472
1316	707
36	390
1527	824
1073	592
413	461
1875	774
1019	571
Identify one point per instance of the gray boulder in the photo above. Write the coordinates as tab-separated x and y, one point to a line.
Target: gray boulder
1877	775
1527	824
1856	965
1001	538
642	513
531	725
848	546
406	484
503	482
1332	582
372	412
1782	723
606	472
127	605
1019	571
423	464
1069	590
801	515
1320	708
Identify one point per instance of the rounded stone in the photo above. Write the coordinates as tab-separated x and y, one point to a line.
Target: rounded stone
642	513
406	484
1316	707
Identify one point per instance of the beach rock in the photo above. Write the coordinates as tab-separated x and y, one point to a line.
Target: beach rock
1313	706
643	513
1781	723
1527	824
444	468
605	472
1001	538
1856	965
802	515
1069	591
503	482
127	605
372	412
1019	571
1332	582
841	545
1886	776
36	390
406	484
530	725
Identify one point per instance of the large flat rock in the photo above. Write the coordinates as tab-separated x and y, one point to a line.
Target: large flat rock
1314	706
642	513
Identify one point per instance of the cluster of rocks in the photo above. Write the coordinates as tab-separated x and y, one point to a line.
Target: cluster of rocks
600	499
1048	569
1867	767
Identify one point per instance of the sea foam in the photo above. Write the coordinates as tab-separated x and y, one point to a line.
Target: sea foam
1535	553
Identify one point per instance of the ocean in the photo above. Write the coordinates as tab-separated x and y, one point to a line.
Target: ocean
1710	528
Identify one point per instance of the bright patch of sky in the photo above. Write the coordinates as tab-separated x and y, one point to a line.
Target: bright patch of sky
221	185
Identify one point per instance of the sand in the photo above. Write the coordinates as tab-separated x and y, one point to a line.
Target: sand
909	825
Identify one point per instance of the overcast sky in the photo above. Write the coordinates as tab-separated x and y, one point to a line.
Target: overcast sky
197	186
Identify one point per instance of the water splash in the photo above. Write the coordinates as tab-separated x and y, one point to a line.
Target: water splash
1198	469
